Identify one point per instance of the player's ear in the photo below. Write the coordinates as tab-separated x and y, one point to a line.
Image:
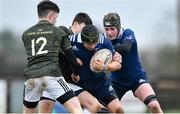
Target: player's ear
75	23
50	16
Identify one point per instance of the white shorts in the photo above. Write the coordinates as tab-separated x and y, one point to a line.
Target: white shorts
75	87
54	86
46	95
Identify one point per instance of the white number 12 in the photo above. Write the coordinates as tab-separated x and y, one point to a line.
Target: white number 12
40	51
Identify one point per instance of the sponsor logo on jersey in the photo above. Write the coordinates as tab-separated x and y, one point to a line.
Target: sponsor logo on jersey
75	48
142	81
129	37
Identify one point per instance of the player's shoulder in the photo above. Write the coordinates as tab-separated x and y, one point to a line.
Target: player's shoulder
103	39
58	31
127	34
75	38
28	30
25	32
127	31
65	29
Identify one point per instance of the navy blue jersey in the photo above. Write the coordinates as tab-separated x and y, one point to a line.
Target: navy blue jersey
131	66
95	83
85	55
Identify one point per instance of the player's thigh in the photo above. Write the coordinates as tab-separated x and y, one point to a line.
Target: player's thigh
46	103
57	87
86	99
114	103
120	88
73	105
104	93
32	89
28	110
143	91
46	106
46	96
61	91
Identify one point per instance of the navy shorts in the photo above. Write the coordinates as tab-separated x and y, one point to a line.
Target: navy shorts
99	88
122	86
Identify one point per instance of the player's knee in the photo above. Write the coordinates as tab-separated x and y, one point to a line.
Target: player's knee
96	106
75	108
116	107
46	106
149	99
92	106
119	109
152	103
155	107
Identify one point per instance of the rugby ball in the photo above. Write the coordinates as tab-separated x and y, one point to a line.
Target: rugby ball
104	55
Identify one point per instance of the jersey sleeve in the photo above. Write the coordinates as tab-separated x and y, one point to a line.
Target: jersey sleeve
74	39
127	42
67	49
64	40
129	35
23	38
66	43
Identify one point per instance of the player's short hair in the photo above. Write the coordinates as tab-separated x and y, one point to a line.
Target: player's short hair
45	6
90	34
112	20
82	18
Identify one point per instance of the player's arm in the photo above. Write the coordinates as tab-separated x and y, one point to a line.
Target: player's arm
123	48
117	57
73	77
113	66
116	61
71	56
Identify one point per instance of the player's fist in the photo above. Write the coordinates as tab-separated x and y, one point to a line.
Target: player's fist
98	65
75	78
117	57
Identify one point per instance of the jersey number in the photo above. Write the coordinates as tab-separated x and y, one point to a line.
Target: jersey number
40	51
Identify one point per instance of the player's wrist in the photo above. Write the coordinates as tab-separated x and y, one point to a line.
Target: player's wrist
105	67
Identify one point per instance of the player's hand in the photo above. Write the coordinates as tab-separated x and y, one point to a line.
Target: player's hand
79	61
75	78
98	65
117	57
